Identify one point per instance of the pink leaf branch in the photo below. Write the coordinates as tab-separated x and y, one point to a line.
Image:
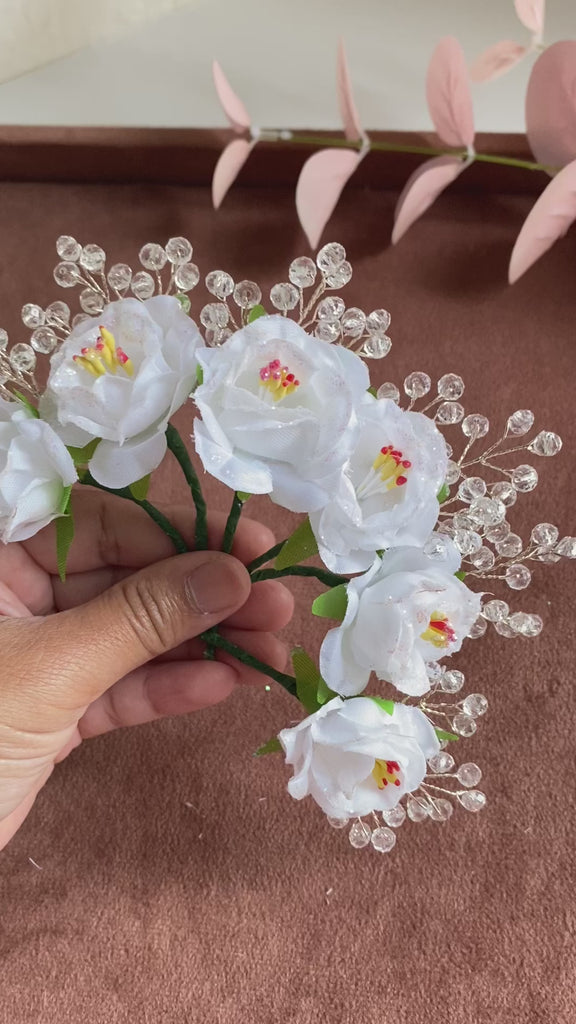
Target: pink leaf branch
230	163
422	189
448	94
320	186
496	60
551	105
232	105
352	128
531	14
549	219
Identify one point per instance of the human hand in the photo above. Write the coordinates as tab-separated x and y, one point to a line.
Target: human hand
114	645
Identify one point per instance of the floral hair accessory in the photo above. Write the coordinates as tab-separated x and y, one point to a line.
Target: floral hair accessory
412	533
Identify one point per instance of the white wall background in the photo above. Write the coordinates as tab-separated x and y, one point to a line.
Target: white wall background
278	54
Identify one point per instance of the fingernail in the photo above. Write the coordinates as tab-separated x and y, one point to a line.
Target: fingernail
213	586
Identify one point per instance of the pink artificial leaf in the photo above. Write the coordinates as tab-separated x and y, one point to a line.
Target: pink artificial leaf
422	189
548	220
230	163
448	94
551	105
320	184
348	112
531	14
496	60
231	104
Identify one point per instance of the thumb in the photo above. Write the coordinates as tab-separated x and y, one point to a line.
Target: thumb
140	618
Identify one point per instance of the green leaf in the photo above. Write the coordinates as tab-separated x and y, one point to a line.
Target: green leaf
64	503
332	604
324	693
83	455
272	747
448	736
26	402
386	705
443	493
372	391
243	496
200	374
255	313
139	489
308	679
64	538
460	575
301	545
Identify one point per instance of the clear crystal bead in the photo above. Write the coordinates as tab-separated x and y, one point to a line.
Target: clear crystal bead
497	532
452	681
545	535
524	478
215	314
119	276
567	547
441	763
483	558
449	412
92	258
440	809
477	629
548	556
436	547
520	422
3	340
187	276
247	294
505	492
330	308
178	250
511	546
417	808
472	487
32	315
142	285
475	704
495	610
22	358
394	816
359	835
353	322
518	577
213	336
339	277
80	318
184	301
376	348
452	472
328	330
534	626
153	256
521	622
473	800
302	272
475	426
68	248
417	384
469	774
337	822
383	840
67	275
219	284
545	443
43	340
91	302
389	391
433	671
378	321
467	541
284	296
330	257
464	725
487	511
504	628
450	387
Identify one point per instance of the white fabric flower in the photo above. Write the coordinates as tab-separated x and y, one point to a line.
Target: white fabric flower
353	757
387	492
122	383
35	469
279	412
408	609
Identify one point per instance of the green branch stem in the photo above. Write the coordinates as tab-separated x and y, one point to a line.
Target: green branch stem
232	523
267	556
180	453
214	639
329	579
155	514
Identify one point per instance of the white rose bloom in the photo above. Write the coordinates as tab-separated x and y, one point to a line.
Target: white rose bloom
408	609
120	377
279	412
353	757
387	492
35	469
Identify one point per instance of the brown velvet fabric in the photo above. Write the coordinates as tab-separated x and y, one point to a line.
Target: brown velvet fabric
179	882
